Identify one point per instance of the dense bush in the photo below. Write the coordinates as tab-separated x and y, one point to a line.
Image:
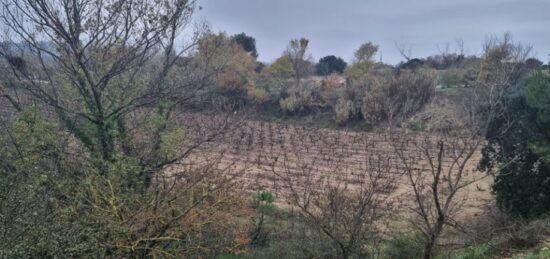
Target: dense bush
521	187
257	95
330	64
396	95
57	204
291	104
299	99
404	246
505	238
248	43
345	110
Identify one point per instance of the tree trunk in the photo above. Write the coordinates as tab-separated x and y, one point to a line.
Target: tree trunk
428	248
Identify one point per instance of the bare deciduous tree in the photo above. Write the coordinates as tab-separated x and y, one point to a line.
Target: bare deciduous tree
297	52
446	162
348	207
437	171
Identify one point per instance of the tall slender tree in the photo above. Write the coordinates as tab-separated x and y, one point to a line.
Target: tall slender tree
301	60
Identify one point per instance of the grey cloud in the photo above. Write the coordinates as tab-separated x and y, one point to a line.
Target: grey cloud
339	27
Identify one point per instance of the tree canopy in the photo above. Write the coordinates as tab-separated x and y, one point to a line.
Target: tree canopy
248	43
519	139
330	64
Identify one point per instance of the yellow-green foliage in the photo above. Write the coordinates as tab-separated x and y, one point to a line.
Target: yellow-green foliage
359	70
357	73
171	142
54	203
257	95
277	77
33	136
344	109
299	99
35	189
232	65
281	69
290	104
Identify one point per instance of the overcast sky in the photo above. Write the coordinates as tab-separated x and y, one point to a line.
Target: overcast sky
339	27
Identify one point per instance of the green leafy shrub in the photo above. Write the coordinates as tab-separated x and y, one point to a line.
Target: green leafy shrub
344	110
529	235
451	78
290	104
404	246
299	99
257	95
522	186
477	252
262	202
542	253
417	125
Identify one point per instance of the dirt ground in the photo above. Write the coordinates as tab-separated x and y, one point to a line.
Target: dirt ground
259	154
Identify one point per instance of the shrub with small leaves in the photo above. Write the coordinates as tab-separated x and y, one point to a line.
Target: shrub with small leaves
262	202
345	110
